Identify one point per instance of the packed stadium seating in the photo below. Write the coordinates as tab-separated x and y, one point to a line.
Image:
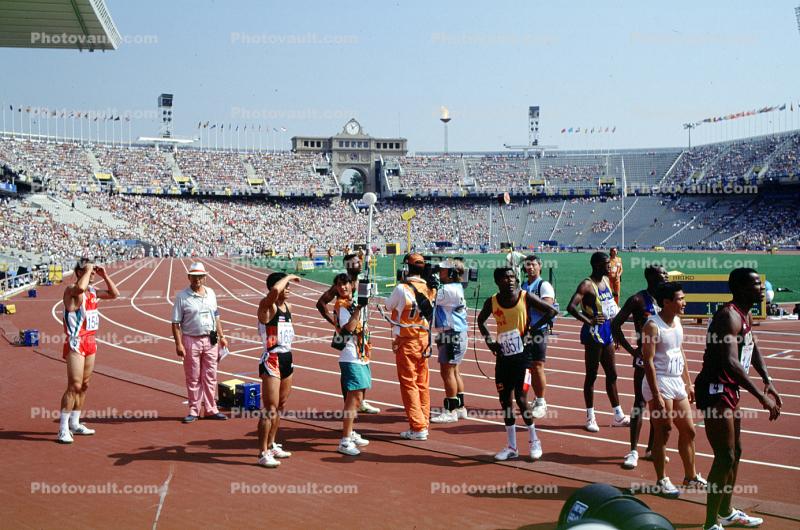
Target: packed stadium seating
134	166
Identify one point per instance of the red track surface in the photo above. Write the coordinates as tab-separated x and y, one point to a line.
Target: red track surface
199	467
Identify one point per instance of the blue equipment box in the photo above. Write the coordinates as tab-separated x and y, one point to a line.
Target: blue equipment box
248	396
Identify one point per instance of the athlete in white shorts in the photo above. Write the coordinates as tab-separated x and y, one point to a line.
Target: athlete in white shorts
667	387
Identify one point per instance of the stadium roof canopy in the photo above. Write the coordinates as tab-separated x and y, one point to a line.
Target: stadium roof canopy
68	24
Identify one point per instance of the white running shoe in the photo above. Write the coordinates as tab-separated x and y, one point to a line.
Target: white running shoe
64	437
414	435
591	425
536	449
357	439
631	460
349	448
621	422
267	460
739	519
696	483
81	430
447	416
461	413
665	488
278	452
506	453
366	408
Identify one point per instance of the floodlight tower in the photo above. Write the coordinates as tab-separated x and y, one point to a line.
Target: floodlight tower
165	112
445	119
689	127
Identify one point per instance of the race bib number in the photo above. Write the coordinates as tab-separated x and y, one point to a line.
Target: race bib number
716	388
510	342
92	320
610	308
747	352
285	334
674	362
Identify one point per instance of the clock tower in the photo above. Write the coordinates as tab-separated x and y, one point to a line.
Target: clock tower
353	149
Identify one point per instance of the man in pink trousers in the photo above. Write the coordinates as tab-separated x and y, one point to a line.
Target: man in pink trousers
198	334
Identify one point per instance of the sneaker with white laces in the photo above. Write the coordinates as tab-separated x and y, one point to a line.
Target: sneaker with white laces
624	421
631	460
461	413
414	435
739	519
348	448
366	408
358	440
506	453
536	449
447	416
538	410
278	452
64	437
666	488
81	429
696	483
266	459
591	425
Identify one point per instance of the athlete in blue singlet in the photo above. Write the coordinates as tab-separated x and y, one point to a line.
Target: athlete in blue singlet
598	307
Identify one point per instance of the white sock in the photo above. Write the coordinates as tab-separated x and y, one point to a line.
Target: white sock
532	433
345	441
618	413
590	412
540	401
511	435
64	420
75	418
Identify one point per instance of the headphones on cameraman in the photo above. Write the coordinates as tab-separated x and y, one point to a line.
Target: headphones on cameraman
452	273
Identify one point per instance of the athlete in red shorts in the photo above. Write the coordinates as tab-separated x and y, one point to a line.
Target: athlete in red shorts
730	351
81	321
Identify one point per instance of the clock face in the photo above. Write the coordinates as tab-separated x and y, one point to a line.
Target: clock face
352	127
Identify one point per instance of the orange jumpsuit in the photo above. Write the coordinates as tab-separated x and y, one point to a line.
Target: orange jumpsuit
409	346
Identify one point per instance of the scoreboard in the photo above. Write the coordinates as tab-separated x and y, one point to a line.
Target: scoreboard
705	293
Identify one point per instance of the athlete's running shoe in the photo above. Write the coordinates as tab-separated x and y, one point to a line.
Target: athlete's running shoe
696	483
506	453
358	440
461	413
539	409
624	421
666	488
366	408
81	430
739	519
631	460
415	435
278	452
348	448
446	417
591	425
64	437
267	460
536	449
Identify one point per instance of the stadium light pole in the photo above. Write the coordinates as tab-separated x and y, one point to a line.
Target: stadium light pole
689	127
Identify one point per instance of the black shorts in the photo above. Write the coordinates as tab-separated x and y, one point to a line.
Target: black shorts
509	371
536	346
276	365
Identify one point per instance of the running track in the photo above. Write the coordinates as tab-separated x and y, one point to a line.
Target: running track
137	365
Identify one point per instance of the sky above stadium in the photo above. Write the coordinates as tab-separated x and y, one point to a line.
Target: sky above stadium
642	67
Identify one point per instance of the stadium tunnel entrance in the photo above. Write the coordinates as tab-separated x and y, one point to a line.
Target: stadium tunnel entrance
354	180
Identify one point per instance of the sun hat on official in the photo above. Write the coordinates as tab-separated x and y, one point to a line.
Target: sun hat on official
197	269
